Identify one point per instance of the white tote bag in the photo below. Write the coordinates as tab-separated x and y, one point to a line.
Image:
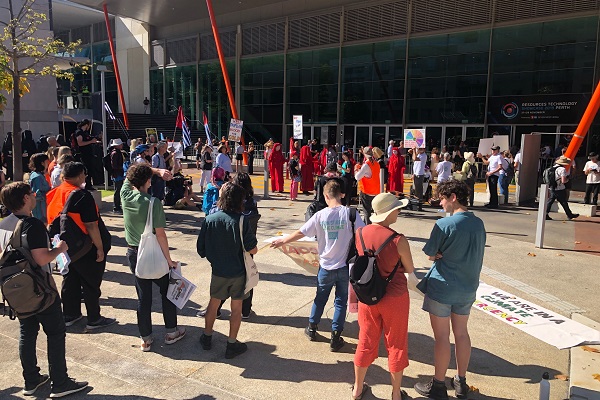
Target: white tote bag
151	262
251	269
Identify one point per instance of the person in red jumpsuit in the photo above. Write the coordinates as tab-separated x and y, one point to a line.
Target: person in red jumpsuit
306	170
277	160
396	168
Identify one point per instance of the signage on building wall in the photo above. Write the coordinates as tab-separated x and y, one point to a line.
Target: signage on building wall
538	109
235	130
297	126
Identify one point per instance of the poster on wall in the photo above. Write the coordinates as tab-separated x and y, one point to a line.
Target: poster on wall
414	138
537	109
297	127
235	130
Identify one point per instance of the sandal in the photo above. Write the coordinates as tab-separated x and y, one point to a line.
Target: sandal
146	345
360	396
174	337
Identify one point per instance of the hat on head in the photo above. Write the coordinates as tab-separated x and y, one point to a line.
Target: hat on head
592	155
562	160
496	147
469	156
384	204
331	167
115	142
140	148
368	151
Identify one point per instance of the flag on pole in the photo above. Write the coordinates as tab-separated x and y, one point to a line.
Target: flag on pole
109	111
206	128
181	123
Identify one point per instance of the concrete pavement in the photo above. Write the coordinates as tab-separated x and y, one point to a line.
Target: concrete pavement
281	363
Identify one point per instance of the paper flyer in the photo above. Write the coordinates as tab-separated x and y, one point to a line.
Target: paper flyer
180	289
63	260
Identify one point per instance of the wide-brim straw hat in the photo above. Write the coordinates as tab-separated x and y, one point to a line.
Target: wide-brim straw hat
562	160
470	157
384	204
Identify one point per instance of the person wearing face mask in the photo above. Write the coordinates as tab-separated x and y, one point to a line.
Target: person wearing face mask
87	271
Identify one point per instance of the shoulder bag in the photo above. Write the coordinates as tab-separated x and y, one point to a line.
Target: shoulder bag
151	262
251	268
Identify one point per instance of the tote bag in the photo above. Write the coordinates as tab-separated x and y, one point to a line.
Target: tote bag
151	262
251	269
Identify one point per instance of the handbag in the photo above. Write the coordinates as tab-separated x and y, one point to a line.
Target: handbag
251	268
151	262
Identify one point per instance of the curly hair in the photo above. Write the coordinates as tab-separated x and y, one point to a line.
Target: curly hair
36	162
460	189
139	175
243	179
231	198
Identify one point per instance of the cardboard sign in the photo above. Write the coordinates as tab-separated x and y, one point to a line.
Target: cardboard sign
414	138
235	130
178	147
298	131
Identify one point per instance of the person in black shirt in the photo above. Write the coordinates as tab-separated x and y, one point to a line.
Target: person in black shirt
20	200
86	145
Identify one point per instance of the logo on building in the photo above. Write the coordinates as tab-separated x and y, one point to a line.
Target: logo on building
510	110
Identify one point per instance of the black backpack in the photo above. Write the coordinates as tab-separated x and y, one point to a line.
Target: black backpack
472	174
365	278
26	287
107	163
549	176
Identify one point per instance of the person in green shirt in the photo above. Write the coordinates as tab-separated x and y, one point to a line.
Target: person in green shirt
136	200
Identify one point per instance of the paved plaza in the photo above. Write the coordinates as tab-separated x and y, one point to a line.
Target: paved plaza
281	363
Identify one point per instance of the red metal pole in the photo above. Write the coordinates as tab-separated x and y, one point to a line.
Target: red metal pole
116	66
215	29
584	124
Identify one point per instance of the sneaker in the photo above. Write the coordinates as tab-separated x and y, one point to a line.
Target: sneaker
460	386
202	313
146	345
174	337
71	386
432	389
118	210
337	341
548	218
573	216
206	341
69	321
235	349
101	323
30	388
247	316
311	332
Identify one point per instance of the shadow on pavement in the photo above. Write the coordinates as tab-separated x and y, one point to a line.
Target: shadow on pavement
44	392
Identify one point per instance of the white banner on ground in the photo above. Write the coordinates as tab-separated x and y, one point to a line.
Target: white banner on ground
297	127
530	318
303	252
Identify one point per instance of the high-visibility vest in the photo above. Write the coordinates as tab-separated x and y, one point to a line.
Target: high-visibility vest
371	186
57	198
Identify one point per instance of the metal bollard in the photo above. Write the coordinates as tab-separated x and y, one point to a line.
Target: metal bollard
541	219
266	179
381	181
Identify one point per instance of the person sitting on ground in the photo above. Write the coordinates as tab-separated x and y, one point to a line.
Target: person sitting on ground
211	194
20	200
38	164
456	247
189	198
136	201
218	240
56	177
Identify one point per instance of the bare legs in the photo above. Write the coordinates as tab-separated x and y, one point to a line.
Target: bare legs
235	320
359	378
462	341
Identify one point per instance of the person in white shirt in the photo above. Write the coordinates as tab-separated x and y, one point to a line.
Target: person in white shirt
333	229
592	179
444	169
494	164
390	149
419	162
504	179
558	191
517	164
239	156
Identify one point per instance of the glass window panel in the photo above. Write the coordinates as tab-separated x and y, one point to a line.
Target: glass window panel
156	92
362	137
474	133
427	88
356	112
425	111
433	135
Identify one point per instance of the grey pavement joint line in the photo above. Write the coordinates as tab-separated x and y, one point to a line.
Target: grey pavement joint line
530	290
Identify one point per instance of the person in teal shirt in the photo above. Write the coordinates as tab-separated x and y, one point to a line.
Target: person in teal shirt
38	163
456	246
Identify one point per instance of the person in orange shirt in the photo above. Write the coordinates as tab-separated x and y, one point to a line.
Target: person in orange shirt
368	176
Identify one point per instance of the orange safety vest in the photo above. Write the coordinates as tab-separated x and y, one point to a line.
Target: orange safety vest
371	186
57	198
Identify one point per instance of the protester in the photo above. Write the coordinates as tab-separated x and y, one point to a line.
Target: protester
506	174
390	315
396	168
136	202
20	200
558	191
444	169
494	165
369	177
158	161
469	172
239	157
117	173
38	164
7	159
517	165
250	158
276	160
223	159
206	163
592	180
306	170
54	159
86	272
333	229
419	162
456	246
319	202
56	177
28	147
211	195
221	242
85	143
182	184
295	175
198	152
390	149
348	177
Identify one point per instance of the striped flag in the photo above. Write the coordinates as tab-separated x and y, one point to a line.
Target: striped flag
206	128
181	123
109	111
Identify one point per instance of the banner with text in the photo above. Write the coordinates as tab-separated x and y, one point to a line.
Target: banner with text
298	127
537	109
414	138
235	130
532	319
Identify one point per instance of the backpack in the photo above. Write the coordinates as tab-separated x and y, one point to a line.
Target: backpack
549	176
26	287
367	282
63	225
472	171
509	171
211	195
107	163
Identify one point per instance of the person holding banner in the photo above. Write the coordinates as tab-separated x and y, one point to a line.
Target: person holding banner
456	247
494	165
306	170
419	162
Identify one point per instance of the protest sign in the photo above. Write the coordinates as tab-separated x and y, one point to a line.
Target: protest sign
297	126
502	141
485	146
532	319
303	252
177	148
414	138
180	289
235	130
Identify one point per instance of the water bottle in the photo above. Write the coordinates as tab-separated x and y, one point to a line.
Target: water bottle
545	387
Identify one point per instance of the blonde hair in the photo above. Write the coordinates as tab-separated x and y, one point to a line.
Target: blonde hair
62	150
133	145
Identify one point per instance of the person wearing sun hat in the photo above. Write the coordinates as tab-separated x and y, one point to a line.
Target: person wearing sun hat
558	192
469	173
390	315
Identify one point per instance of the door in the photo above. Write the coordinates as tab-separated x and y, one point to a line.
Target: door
453	136
362	137
378	137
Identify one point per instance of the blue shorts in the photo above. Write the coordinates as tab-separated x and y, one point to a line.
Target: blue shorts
444	310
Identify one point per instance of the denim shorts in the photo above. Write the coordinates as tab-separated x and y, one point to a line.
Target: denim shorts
444	310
